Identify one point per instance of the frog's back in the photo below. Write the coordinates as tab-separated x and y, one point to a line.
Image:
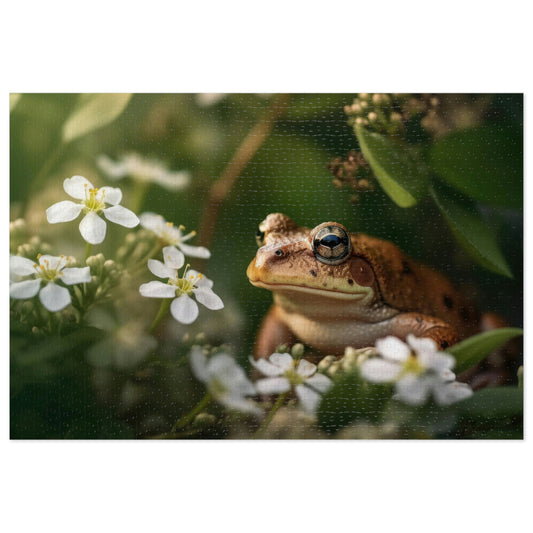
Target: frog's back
407	285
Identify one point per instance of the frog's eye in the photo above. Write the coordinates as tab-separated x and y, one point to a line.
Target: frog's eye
260	238
331	244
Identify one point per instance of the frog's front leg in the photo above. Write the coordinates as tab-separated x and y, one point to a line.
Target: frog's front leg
272	333
424	326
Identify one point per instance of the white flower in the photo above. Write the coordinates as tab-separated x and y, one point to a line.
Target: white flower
92	202
144	170
418	370
284	372
183	308
171	235
225	380
46	274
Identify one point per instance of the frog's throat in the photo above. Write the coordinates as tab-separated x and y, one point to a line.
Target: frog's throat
361	293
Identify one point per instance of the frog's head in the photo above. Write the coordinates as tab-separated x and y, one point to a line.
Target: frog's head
320	263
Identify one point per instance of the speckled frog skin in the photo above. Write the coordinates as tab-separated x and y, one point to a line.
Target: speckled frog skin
333	289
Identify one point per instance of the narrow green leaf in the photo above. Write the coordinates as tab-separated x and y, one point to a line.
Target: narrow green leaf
93	112
471	351
486	163
396	170
469	229
493	402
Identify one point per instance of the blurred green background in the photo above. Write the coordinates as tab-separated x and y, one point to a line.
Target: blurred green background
287	174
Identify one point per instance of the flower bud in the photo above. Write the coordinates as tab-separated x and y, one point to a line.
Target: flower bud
203	420
297	350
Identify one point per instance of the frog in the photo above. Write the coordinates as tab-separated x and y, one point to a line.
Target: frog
333	289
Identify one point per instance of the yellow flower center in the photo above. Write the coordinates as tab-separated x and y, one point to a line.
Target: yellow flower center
45	272
93	201
186	283
412	366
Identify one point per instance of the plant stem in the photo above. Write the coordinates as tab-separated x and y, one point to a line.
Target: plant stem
87	250
248	148
163	310
266	422
198	408
138	194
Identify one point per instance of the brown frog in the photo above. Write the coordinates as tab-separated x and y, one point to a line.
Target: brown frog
333	289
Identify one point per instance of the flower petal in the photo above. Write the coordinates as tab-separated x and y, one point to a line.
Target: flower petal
319	382
421	344
72	276
195	251
208	298
309	398
93	228
448	393
157	289
63	212
54	297
272	385
151	221
21	290
21	265
184	309
160	270
198	362
377	370
114	170
120	215
77	187
266	368
239	403
52	262
173	181
413	390
305	368
282	360
110	195
393	348
173	257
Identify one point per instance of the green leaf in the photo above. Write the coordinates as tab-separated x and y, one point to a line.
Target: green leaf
469	229
351	399
397	171
471	351
486	163
94	111
493	402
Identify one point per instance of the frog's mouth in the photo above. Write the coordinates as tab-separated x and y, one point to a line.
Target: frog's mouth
356	294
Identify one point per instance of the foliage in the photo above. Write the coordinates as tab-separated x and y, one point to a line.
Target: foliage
115	364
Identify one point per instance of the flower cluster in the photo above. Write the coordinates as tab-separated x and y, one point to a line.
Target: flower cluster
143	170
45	278
170	235
225	380
191	283
417	369
285	373
92	203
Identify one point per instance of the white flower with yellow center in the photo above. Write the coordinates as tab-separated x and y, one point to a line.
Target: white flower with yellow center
417	369
225	380
284	373
143	170
183	308
46	274
171	235
92	203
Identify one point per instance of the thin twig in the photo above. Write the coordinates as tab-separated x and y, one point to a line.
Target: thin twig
248	148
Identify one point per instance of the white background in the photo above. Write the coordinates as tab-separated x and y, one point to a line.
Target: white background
384	46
